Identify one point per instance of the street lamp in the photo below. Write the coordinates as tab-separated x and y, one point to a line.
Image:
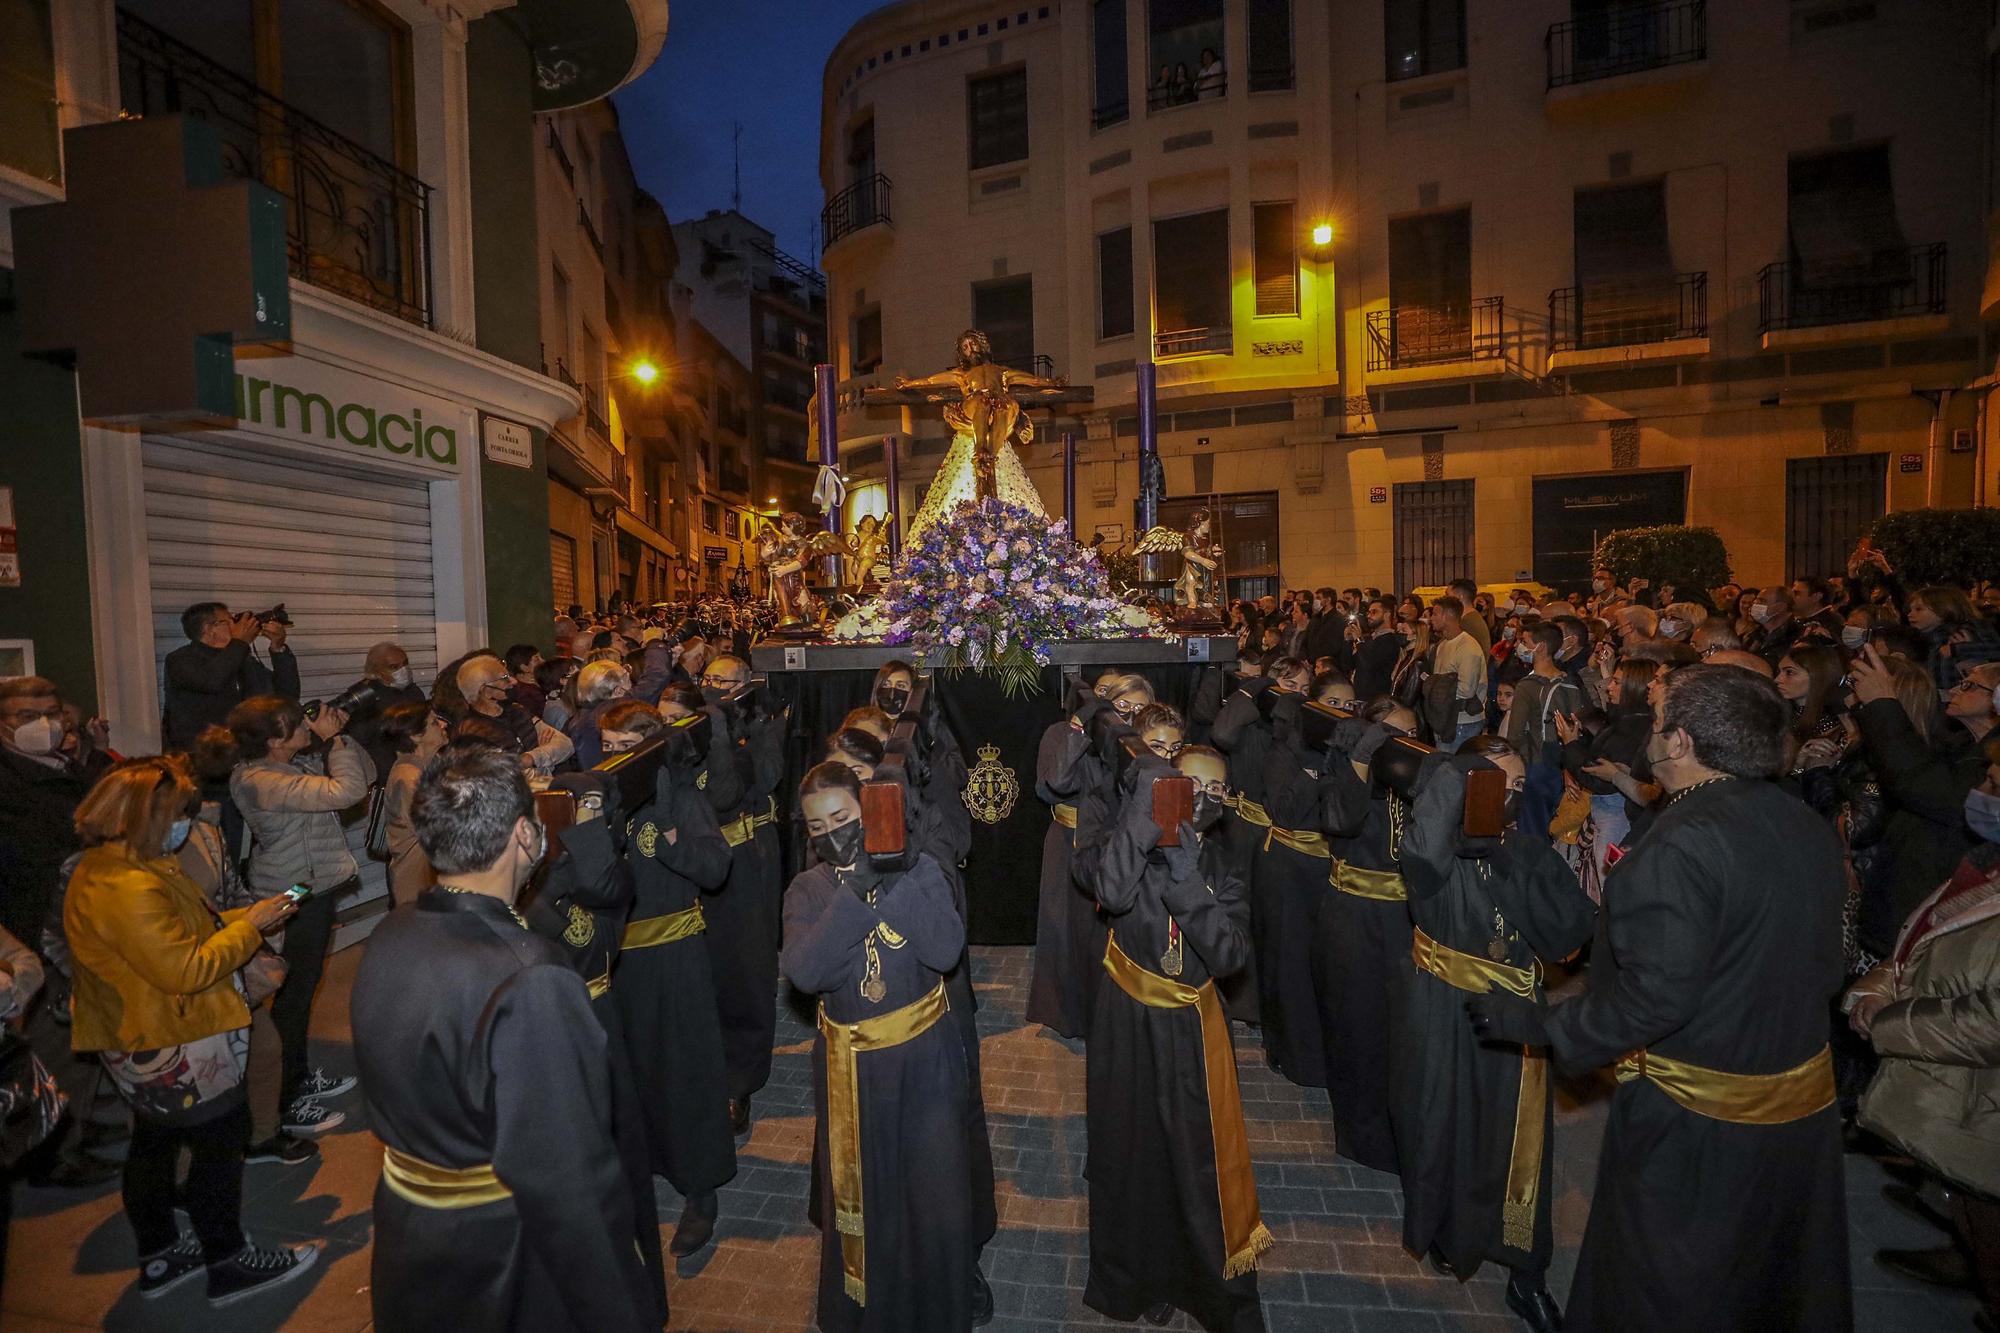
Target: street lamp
1322	234
645	371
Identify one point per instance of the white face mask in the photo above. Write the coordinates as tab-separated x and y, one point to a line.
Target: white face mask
1760	612
1599	585
38	735
400	677
1672	628
1853	637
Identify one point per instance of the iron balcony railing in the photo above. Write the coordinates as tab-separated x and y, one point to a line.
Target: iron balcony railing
1041	365
1629	312
1212	341
1271	78
589	230
1187	91
562	156
355	222
862	204
1894	284
593	412
1110	113
1626	39
1404	336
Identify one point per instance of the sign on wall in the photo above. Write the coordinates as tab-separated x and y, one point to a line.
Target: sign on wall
298	399
507	442
1910	463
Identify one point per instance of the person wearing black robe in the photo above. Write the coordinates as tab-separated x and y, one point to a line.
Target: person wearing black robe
889	1074
666	996
1173	1202
503	1202
1716	952
1473	1120
743	914
1292	883
1069	942
583	896
1361	942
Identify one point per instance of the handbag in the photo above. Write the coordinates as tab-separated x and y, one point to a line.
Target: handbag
1572	813
378	823
30	1102
261	976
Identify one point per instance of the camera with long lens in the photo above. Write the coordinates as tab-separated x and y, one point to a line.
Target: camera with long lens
361	696
276	615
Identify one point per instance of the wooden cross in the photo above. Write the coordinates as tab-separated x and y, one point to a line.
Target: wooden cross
153	273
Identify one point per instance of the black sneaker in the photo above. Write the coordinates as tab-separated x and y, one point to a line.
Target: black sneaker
306	1116
159	1273
253	1268
319	1083
284	1149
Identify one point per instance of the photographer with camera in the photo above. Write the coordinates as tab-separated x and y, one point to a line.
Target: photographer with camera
215	669
295	774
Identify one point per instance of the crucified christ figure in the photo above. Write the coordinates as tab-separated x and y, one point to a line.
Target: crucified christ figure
988	412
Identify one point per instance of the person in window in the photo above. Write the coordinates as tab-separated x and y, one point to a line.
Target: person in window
156	997
1182	85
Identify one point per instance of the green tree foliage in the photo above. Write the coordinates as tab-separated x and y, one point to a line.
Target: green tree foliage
1672	553
1931	546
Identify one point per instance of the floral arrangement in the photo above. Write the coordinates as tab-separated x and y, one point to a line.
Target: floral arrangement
992	586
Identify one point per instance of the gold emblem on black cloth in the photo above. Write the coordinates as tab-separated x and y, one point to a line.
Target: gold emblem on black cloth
582	928
649	838
992	788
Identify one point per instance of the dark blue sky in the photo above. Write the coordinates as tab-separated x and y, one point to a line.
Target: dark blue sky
757	62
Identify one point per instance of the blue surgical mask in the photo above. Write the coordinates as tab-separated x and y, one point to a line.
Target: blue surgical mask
178	835
1853	637
1982	814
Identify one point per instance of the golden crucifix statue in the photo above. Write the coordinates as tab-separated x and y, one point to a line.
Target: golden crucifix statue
988	411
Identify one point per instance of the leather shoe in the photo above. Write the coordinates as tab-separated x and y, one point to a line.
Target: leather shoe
1942	1266
1529	1298
1910	1200
697	1225
739	1116
982	1299
1161	1315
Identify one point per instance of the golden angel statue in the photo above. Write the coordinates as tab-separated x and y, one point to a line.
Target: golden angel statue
1201	556
784	548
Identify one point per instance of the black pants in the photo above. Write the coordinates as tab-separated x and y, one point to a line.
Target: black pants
213	1196
307	936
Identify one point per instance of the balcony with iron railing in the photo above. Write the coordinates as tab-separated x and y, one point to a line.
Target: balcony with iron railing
589	230
1041	365
1906	283
356	224
1414	336
593	412
1163	96
1215	340
861	205
1107	114
562	155
1628	313
1273	78
1626	39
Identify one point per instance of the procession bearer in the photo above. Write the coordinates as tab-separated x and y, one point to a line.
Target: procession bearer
889	1074
502	1204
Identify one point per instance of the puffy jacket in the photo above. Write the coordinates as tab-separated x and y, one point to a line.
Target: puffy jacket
151	967
1937	1094
293	811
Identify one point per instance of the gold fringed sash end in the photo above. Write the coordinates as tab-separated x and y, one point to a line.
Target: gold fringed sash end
1247	1259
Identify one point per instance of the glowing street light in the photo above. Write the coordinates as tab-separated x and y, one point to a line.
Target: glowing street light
645	372
1322	234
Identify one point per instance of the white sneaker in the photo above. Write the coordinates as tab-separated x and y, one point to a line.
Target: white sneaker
321	1084
306	1116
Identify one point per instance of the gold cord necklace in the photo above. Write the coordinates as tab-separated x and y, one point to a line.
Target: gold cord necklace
519	920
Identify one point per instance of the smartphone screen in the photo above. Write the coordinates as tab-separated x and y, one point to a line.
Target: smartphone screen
298	893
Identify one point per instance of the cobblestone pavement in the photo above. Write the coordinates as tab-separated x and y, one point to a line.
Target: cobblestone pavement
1338	1264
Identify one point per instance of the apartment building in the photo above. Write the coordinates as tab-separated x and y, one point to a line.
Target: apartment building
1435	288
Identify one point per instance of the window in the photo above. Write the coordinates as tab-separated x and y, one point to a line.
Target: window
1423	36
1829	503
1433	532
1111	96
1246	525
559	318
29	134
861	152
711	516
1430	262
1114	284
1270	31
1626	290
1276	262
1849	259
1191	310
1186	52
997	112
1005	312
864	355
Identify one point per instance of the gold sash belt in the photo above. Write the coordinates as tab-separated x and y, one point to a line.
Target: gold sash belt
1382	885
844	1041
1250	812
1303	841
1244	1235
1065	815
417	1181
744	827
652	930
1469	972
1741	1099
598	987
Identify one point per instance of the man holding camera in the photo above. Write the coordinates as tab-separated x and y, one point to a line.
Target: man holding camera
215	670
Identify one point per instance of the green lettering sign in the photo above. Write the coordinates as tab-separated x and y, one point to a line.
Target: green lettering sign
302	412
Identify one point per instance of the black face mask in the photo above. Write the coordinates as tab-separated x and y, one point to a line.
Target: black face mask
840	847
1510	811
892	699
1207	812
715	694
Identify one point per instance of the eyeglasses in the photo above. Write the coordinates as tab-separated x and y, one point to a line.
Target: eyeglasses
28	712
1219	790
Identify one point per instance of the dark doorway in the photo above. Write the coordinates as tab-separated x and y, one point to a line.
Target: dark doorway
1433	533
1829	503
1572	514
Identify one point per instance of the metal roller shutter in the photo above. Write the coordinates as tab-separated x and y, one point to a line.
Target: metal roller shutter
349	556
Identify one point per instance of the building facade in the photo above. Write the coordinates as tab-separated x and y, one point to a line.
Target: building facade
1436	289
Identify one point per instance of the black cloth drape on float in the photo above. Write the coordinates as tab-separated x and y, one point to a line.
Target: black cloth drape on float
1003	868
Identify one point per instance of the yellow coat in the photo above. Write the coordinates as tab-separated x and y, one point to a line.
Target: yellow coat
152	969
